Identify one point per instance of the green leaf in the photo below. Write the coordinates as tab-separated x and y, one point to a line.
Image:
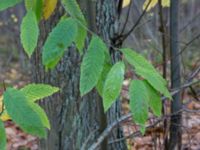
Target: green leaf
153	79
72	7
155	102
4	4
92	65
58	41
36	6
29	32
41	113
113	84
147	71
29	4
2	136
80	38
22	113
35	92
139	102
102	79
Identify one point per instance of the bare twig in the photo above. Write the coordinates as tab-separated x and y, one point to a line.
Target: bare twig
127	16
137	133
84	145
106	132
110	127
137	22
188	44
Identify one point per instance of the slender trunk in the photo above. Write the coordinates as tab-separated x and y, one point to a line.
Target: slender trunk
162	29
176	105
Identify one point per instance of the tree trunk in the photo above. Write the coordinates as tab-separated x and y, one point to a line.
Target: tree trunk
108	14
176	105
75	122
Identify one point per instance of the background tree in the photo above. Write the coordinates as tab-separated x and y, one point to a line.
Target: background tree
176	106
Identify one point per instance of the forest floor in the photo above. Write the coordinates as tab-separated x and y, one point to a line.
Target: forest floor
12	74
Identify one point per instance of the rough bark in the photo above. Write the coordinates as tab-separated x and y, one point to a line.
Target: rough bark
176	105
73	119
108	14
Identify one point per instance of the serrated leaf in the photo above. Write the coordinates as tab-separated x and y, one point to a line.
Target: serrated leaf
72	7
22	112
164	3
34	92
155	102
92	65
29	4
36	6
146	70
138	60
58	41
102	79
49	7
41	113
4	4
2	136
29	32
153	79
113	84
139	102
80	38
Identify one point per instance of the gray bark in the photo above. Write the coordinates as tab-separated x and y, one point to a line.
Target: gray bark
176	105
108	14
73	119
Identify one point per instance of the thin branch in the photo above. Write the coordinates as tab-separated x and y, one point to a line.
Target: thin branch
127	16
137	133
192	76
183	87
137	22
188	44
107	131
84	145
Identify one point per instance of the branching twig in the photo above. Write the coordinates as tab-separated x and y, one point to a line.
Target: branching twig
107	131
188	44
137	22
127	16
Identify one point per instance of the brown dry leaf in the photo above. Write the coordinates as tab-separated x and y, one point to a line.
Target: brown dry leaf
49	7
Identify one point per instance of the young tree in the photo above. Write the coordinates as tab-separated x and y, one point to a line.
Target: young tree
176	106
74	119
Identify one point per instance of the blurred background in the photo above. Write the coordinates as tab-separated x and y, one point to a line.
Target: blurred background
146	39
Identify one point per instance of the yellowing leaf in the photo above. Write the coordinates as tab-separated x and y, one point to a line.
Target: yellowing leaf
49	7
5	116
125	3
165	3
1	99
